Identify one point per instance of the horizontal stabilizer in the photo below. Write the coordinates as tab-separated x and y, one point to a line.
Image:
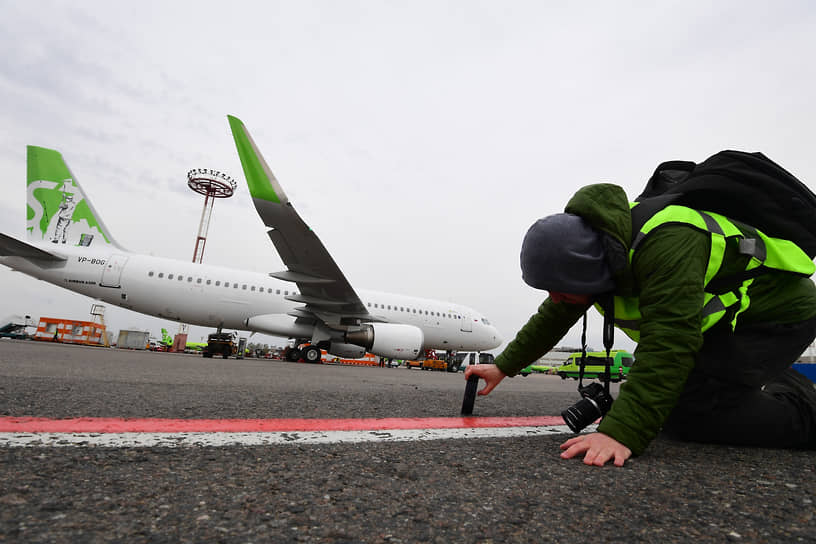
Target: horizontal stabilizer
12	247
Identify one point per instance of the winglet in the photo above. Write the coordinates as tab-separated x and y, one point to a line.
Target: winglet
261	181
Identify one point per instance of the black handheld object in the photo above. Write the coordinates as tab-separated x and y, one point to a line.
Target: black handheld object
470	395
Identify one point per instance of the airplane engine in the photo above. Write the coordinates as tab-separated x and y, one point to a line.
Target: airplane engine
346	351
389	340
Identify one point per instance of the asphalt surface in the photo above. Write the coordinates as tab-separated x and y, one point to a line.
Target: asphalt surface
474	490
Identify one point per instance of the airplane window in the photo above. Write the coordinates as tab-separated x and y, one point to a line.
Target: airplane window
218	283
169	276
389	306
161	274
244	287
253	288
226	284
415	310
209	282
181	278
235	286
286	293
259	289
150	273
277	291
190	279
198	280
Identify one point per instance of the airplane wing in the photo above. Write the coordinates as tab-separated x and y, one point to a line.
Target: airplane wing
324	289
12	247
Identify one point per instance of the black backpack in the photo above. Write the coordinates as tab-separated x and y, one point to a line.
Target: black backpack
747	187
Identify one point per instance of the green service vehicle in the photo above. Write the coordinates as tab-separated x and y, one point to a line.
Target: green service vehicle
595	362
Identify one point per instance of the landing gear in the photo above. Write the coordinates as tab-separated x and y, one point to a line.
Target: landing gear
293	355
311	354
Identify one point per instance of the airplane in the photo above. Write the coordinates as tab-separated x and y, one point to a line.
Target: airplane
311	302
167	341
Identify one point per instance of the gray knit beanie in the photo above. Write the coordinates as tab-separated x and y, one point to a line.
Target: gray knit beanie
561	253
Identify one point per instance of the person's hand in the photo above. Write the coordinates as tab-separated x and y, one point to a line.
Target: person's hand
491	374
598	448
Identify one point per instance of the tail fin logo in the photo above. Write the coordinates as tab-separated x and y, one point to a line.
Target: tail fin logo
58	211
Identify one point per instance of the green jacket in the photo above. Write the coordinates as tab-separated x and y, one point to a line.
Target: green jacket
667	274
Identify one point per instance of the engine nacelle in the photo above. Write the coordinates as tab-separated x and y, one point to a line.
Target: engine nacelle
389	340
346	351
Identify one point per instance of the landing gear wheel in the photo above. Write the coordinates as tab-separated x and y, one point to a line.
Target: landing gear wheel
311	354
293	355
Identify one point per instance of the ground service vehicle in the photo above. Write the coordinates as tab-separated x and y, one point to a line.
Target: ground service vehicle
219	343
541	369
434	364
595	363
464	358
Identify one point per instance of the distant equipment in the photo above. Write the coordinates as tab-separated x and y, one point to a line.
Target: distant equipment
133	340
212	184
98	319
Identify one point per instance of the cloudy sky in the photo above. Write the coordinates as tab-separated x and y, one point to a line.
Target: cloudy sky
419	139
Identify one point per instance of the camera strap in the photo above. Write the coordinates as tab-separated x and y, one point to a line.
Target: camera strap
607	302
583	354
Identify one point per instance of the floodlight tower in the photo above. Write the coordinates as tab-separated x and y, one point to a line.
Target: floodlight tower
212	184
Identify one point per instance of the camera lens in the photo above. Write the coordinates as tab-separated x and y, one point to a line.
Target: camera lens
581	414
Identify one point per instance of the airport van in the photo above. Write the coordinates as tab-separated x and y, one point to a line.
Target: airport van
595	365
464	358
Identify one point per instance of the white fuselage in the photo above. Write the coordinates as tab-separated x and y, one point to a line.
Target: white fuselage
213	296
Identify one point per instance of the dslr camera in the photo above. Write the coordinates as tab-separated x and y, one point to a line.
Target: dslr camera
595	403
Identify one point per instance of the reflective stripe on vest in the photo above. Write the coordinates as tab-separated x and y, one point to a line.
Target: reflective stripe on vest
765	251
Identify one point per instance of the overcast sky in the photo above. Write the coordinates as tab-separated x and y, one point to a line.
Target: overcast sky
419	139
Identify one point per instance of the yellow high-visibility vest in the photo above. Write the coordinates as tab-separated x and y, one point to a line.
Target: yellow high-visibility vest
764	251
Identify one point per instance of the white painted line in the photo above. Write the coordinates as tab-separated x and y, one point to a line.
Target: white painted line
221	439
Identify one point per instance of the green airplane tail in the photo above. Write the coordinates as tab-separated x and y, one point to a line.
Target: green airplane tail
58	211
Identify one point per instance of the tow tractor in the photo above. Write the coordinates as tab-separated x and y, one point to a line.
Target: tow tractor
220	343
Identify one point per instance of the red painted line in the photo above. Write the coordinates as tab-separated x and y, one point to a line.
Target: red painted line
121	425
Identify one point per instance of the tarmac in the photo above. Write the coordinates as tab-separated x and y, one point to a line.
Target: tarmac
511	489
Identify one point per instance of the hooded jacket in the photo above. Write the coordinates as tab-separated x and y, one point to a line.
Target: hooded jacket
667	275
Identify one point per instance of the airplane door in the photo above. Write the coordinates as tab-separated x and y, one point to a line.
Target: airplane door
112	273
467	323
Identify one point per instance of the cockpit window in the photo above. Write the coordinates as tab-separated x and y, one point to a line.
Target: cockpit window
485	321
